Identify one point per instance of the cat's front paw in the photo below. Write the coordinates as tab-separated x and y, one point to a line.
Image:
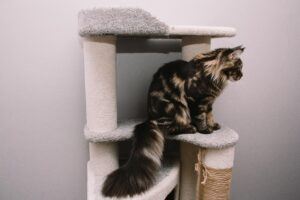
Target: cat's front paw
190	129
206	131
204	128
216	126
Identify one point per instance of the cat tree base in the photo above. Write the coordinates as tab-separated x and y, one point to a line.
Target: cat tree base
167	180
217	154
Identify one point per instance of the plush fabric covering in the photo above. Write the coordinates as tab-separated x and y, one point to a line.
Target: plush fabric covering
225	137
202	30
166	181
219	158
119	21
100	82
123	132
138	22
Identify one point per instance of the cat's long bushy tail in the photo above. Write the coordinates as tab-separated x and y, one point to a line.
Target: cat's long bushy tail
138	174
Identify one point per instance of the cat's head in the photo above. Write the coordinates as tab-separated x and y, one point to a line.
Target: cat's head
223	63
231	64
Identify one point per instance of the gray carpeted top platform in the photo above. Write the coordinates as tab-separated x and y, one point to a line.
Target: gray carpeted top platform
225	137
119	21
138	22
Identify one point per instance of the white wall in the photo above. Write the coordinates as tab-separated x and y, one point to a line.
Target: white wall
42	110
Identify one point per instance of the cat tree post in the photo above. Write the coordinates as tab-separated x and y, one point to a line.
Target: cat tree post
191	46
217	171
101	109
216	160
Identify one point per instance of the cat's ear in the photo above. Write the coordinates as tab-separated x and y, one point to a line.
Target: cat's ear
237	51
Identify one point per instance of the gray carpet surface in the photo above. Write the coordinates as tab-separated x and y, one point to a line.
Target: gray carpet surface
225	137
119	21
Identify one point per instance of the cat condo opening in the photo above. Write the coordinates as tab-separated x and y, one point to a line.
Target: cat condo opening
206	161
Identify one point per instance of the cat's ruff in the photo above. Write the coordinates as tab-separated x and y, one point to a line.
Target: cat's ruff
225	137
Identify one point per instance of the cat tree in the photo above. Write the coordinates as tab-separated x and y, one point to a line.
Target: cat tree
204	171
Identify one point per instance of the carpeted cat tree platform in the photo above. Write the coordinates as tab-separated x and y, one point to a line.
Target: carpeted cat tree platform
206	161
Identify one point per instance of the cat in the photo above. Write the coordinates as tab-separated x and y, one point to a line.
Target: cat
180	100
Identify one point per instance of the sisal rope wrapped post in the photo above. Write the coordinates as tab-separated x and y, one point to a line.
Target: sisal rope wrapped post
214	183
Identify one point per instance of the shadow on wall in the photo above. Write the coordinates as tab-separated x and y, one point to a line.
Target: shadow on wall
134	71
145	45
134	77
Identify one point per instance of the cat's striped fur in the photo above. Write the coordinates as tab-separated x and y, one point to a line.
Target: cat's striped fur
180	100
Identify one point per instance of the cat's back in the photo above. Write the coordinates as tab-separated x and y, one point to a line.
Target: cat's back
181	68
171	76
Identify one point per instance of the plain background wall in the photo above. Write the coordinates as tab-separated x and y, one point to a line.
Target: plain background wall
42	110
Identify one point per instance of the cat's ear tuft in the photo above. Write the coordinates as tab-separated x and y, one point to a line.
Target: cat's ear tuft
237	51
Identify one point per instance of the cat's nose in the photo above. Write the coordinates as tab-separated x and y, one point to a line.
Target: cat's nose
240	74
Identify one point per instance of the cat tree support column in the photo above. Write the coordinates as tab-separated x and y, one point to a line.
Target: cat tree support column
101	109
216	159
191	46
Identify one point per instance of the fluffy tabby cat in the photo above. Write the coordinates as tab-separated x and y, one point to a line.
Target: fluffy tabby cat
180	101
